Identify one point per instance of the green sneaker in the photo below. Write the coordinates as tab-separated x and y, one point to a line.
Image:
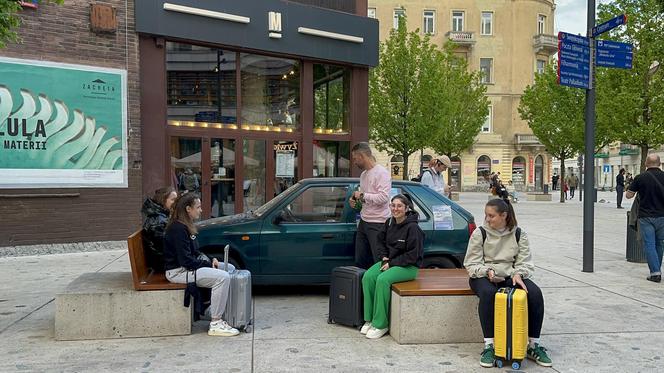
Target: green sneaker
488	358
538	354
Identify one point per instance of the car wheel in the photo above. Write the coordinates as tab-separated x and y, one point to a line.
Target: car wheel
438	262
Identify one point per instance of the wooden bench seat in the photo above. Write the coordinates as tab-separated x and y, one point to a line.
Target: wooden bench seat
143	277
437	307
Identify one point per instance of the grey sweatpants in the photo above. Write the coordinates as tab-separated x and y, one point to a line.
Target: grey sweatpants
216	279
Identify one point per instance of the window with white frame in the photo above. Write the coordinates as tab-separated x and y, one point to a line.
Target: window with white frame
541	24
486	127
457	20
486	68
371	12
486	23
398	13
429	19
541	64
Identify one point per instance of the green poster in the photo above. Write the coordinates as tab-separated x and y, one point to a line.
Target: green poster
62	125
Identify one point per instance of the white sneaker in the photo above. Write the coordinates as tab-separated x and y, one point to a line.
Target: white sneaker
365	328
221	328
374	333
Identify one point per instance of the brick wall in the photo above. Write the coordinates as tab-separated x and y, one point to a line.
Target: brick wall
62	34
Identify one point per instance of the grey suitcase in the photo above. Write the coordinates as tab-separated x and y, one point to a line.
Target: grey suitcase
239	308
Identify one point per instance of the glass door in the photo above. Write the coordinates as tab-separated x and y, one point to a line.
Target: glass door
222	177
186	168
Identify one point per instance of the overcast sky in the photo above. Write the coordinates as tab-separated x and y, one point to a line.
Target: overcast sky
571	15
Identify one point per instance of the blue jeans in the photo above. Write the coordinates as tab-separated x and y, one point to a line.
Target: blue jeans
652	234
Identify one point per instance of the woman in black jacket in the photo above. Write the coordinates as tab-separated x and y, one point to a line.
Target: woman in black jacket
401	247
184	263
155	213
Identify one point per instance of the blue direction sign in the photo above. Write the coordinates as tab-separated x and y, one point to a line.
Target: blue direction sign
609	25
614	46
614	59
573	60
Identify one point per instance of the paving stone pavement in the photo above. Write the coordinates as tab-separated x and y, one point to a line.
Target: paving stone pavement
611	320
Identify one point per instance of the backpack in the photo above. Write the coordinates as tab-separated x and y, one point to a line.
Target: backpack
418	178
517	234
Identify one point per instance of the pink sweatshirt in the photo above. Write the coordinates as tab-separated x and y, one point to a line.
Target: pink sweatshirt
376	184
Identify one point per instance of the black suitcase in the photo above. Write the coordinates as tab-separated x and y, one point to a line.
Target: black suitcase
346	301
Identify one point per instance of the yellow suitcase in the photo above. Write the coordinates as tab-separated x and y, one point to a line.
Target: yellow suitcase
511	327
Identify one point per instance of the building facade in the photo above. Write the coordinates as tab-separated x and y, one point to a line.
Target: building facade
508	41
233	100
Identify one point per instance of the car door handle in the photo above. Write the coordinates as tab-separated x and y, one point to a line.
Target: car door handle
327	236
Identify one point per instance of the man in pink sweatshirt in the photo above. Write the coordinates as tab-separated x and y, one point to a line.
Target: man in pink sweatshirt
374	196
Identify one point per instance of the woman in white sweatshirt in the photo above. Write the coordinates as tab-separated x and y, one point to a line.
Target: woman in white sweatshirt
498	256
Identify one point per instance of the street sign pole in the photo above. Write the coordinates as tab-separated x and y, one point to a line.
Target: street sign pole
589	159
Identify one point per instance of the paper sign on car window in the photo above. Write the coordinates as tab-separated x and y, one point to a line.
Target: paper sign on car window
442	218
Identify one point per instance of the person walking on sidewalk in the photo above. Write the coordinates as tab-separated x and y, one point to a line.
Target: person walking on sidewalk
498	255
374	200
572	183
650	187
184	262
401	249
620	187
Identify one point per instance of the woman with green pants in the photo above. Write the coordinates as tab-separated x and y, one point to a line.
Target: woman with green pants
401	247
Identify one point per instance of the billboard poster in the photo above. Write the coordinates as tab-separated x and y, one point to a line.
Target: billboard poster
62	125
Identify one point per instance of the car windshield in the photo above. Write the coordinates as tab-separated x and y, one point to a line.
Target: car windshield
275	201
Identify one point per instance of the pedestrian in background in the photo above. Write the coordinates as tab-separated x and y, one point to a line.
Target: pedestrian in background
572	184
374	199
554	181
620	187
650	188
434	177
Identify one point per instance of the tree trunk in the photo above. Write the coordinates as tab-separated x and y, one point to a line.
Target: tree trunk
561	181
644	155
405	166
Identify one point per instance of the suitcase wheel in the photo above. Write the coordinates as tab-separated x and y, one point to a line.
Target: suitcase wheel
516	365
499	363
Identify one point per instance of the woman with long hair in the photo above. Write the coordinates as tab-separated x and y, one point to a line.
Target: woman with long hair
156	211
498	256
184	262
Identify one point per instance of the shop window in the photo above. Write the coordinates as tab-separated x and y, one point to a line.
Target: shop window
186	169
253	185
331	99
331	159
519	172
222	177
201	85
270	93
483	170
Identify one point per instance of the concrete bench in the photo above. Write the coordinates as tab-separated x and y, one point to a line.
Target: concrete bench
437	307
142	303
539	197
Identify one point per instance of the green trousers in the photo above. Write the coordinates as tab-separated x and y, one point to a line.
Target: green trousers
377	287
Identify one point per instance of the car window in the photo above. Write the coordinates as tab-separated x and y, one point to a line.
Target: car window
317	204
398	190
276	200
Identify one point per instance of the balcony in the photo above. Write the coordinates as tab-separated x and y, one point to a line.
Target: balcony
526	139
547	44
461	38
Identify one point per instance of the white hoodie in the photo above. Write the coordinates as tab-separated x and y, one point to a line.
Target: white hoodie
499	252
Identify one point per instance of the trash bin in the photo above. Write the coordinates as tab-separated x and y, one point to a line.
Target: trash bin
634	248
546	188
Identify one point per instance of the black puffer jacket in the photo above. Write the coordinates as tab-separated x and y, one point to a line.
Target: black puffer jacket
403	243
155	218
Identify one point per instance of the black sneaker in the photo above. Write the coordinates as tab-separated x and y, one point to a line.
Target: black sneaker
654	278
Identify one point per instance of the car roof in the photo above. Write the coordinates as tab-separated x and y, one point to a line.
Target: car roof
324	180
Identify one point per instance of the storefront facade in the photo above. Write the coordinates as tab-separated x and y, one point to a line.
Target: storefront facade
242	99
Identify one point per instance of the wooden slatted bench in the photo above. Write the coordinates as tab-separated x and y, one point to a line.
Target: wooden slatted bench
142	276
437	307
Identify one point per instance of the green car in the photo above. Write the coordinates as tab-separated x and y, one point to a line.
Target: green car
299	236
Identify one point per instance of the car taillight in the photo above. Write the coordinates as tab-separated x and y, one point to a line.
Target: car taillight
471	228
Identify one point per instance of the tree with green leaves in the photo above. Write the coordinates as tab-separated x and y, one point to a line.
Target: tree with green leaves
461	104
555	114
631	101
10	20
400	93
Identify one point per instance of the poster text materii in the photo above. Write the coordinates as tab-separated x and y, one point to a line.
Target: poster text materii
62	125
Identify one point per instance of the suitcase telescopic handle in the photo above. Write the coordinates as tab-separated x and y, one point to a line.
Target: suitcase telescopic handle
226	249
